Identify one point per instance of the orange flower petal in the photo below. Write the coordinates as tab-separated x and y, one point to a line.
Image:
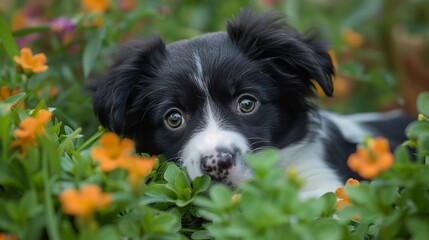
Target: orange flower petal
26	53
83	203
108	165
370	161
27	128
385	161
333	58
340	193
352	38
43	116
109	140
352	181
31	63
127	145
5	93
369	171
341	203
95	5
40	58
354	162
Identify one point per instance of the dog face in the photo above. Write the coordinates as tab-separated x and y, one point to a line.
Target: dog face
207	101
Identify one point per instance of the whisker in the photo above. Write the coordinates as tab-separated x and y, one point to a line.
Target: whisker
263	148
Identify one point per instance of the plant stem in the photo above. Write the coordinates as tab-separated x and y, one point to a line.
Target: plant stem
50	216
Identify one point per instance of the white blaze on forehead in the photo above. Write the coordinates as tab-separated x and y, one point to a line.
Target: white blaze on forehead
198	76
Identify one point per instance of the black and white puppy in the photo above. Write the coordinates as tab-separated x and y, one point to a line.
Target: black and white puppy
207	101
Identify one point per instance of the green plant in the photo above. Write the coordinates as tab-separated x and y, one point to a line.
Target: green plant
392	206
56	156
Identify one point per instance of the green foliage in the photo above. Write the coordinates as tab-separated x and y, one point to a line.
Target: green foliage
166	204
268	207
7	40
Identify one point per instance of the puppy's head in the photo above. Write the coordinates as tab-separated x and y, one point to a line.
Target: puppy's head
206	101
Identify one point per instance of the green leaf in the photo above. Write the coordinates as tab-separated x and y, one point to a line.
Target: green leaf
360	194
91	51
423	103
418	227
69	140
203	202
51	168
326	229
423	145
5	138
182	185
159	193
262	161
92	139
329	200
30	30
221	196
182	203
13	99
201	234
129	228
387	195
200	184
171	173
414	130
7	40
402	155
108	232
160	222
9	176
6	105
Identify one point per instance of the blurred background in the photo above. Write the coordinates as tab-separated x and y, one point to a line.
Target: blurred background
381	47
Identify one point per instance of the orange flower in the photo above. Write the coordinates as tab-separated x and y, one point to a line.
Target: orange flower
343	199
370	160
18	20
113	152
29	128
341	84
138	168
4	236
6	92
30	63
95	5
352	38
53	91
83	203
333	57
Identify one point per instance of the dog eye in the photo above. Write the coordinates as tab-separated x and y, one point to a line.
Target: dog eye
174	119
246	104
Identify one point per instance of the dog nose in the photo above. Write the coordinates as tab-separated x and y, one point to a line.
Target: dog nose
217	165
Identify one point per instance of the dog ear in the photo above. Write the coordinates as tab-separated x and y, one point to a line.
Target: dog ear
112	92
269	39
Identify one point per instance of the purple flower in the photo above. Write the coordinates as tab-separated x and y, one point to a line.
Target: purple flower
62	25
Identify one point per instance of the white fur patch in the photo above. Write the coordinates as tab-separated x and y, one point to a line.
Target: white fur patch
368	117
349	128
308	160
207	140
